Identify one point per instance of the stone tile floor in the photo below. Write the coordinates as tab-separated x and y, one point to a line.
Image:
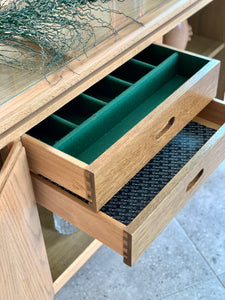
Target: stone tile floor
186	262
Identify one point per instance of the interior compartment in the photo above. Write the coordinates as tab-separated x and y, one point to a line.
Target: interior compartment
127	106
132	71
80	109
154	55
51	130
107	89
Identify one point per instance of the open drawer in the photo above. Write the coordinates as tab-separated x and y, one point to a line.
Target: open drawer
100	140
136	215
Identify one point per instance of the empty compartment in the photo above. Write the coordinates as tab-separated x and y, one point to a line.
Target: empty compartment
87	143
107	89
80	109
154	55
132	71
51	130
137	214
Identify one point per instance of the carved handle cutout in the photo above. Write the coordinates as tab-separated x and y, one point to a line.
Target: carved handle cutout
168	125
195	180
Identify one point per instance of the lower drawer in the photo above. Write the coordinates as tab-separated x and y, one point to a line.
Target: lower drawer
136	215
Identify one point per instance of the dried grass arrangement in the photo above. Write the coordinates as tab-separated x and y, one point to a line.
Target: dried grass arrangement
38	35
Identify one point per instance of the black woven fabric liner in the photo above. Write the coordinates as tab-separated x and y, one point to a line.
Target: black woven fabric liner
146	184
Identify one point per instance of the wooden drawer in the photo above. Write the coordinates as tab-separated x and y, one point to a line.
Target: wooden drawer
136	215
99	141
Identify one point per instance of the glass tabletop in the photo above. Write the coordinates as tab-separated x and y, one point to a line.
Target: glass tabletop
14	79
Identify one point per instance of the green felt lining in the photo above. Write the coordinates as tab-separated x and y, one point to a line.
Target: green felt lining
107	89
80	109
93	137
132	71
51	130
154	55
106	111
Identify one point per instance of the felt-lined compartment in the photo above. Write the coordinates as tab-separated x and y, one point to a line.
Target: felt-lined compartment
133	70
51	130
80	109
108	88
154	55
125	103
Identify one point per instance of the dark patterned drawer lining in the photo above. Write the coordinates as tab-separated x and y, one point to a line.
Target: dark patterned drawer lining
146	184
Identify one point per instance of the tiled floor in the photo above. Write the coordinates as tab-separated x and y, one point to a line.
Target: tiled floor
186	262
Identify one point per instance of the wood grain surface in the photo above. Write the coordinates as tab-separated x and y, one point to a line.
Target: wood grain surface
128	155
70	208
132	240
25	272
66	253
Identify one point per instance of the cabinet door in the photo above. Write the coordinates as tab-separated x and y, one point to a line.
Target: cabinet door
25	272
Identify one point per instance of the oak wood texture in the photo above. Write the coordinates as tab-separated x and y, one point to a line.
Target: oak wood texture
132	240
35	103
221	86
25	272
99	181
205	46
96	224
66	253
210	23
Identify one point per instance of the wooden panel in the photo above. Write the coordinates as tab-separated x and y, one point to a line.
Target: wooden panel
205	46
210	22
70	208
25	272
42	99
221	87
66	253
156	216
57	166
212	115
140	144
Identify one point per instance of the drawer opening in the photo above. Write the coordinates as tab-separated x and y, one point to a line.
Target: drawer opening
135	216
66	253
100	127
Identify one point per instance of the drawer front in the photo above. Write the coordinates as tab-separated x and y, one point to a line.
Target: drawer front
103	138
131	233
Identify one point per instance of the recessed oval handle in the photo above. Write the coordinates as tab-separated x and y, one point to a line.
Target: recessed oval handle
166	127
195	180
